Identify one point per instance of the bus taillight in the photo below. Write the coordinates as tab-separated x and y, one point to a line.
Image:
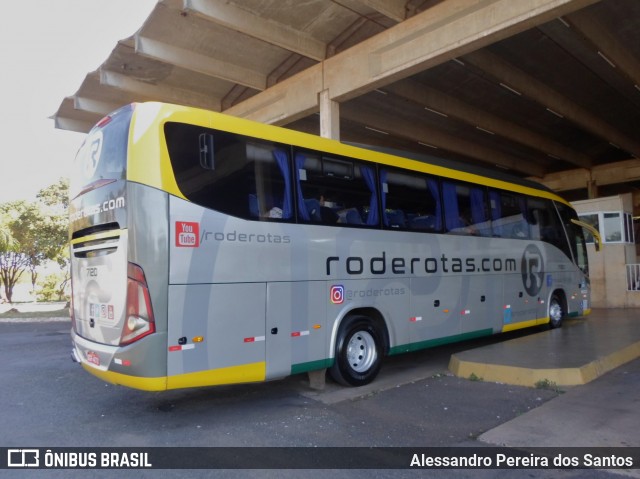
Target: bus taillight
139	321
104	121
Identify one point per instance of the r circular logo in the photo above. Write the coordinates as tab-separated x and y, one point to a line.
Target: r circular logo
93	154
532	267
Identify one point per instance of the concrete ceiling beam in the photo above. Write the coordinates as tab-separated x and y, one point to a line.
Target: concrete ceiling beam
92	105
70	118
286	101
606	45
445	31
393	9
265	29
163	93
609	174
441	33
505	73
190	60
377	119
452	107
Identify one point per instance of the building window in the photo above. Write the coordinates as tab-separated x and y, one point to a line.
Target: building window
614	226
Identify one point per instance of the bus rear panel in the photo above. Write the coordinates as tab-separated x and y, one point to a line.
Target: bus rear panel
118	262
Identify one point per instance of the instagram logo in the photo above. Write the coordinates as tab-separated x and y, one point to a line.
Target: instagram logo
337	294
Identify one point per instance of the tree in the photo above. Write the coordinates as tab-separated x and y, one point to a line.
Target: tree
6	238
13	261
34	232
56	196
53	233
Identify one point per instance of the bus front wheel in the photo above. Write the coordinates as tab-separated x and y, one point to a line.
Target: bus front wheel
359	351
556	312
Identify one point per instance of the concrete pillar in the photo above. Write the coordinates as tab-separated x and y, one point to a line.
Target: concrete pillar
329	128
329	116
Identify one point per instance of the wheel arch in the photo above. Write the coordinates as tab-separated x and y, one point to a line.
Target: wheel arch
562	301
374	314
562	297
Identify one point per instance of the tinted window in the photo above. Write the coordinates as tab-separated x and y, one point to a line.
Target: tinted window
577	242
103	155
465	209
545	224
244	177
410	201
335	191
508	212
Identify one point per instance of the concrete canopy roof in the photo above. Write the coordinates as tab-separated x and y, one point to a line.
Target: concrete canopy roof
543	88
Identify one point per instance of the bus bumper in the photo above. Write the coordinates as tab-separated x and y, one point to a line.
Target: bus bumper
134	365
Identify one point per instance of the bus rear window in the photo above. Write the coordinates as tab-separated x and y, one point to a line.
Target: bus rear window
103	155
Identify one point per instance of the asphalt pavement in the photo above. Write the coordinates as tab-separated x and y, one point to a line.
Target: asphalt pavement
48	401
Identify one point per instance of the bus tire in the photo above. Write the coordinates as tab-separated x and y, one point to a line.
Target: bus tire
359	351
556	311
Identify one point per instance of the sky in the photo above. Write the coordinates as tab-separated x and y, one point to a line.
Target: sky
46	49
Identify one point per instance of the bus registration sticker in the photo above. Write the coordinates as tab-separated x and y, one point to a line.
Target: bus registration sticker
93	358
101	311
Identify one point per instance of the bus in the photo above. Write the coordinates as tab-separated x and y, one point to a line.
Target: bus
209	250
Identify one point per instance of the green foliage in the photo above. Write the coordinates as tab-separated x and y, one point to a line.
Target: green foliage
53	288
56	195
6	238
33	233
548	385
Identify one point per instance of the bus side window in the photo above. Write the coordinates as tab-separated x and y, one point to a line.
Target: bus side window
270	187
465	209
335	191
575	234
508	215
251	179
545	225
410	201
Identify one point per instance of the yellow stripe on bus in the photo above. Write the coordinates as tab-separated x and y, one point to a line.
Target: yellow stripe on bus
97	236
150	163
244	373
524	324
534	322
145	384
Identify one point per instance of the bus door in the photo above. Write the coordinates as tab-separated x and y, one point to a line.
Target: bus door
524	290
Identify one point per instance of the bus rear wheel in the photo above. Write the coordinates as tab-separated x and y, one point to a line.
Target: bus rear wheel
556	312
359	351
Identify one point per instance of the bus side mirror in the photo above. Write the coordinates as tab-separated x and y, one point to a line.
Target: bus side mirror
597	240
206	151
